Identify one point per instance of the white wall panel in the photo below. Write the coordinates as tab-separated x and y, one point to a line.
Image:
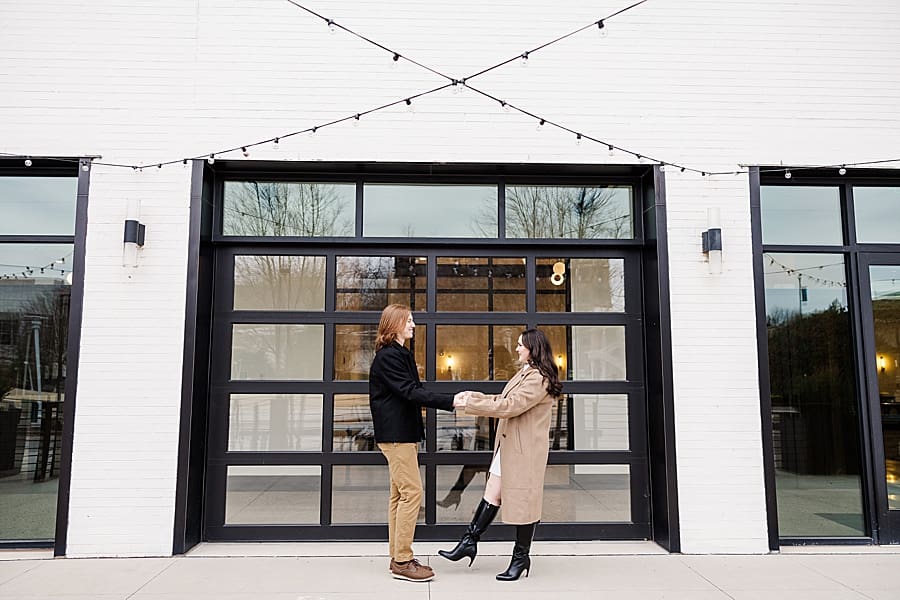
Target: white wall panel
708	83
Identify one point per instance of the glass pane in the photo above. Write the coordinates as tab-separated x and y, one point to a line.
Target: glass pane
877	214
279	283
354	349
268	351
597	422
815	413
476	352
275	422
587	493
38	205
373	282
597	352
260	208
352	427
886	308
459	490
361	494
801	215
443	211
480	284
34	325
580	284
272	495
459	432
544	211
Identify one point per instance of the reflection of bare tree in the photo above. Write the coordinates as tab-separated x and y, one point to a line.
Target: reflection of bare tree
47	312
563	212
279	282
286	209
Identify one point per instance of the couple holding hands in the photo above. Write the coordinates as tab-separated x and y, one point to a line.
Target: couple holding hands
516	476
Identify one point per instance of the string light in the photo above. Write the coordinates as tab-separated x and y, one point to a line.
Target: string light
601	29
28	162
275	145
842	170
787	175
540	125
523	60
458	84
244	151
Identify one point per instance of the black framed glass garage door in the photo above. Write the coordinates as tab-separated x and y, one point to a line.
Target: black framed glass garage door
291	455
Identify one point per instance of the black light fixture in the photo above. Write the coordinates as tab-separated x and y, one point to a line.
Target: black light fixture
712	241
134	235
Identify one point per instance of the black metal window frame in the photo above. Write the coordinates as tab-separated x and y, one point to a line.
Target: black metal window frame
226	247
61	167
852	252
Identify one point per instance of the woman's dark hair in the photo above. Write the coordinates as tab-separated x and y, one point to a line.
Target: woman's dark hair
542	359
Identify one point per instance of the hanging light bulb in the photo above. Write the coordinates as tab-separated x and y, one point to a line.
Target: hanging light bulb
787	175
395	60
577	139
331	27
244	151
211	159
601	28
275	145
842	170
409	105
523	60
356	120
612	150
540	125
184	163
85	166
28	162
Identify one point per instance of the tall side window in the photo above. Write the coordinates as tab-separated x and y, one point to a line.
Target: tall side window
811	364
36	256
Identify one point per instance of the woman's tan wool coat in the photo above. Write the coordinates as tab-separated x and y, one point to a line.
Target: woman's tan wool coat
523	433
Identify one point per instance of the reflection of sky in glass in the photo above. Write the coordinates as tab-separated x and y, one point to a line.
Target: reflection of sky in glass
801	215
16	258
786	275
38	205
430	211
885	280
877	214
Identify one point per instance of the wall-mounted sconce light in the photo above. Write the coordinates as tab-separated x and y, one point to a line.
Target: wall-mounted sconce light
134	234
881	363
712	241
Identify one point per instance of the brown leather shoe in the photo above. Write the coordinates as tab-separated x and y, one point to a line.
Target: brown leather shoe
411	570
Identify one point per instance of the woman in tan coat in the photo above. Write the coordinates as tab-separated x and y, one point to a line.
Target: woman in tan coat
520	451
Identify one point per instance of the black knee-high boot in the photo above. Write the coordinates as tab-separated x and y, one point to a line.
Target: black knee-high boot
521	561
468	545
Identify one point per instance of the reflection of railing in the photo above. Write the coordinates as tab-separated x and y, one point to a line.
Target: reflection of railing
31	448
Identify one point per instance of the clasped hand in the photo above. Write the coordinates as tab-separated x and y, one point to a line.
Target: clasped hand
460	399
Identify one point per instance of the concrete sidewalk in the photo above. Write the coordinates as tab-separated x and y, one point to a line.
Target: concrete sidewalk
562	571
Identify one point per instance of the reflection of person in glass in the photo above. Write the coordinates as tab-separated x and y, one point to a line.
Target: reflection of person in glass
502	364
396	396
521	450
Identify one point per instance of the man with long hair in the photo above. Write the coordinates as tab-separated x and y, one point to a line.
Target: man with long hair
396	396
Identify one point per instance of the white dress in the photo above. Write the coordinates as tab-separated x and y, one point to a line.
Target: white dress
495	463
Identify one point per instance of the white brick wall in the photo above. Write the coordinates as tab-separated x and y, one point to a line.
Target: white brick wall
704	82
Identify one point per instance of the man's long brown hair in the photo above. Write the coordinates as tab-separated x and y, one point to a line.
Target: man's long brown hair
393	321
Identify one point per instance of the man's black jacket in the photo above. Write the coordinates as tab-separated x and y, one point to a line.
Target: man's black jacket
396	395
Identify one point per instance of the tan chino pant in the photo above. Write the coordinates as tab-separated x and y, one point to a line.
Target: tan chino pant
406	497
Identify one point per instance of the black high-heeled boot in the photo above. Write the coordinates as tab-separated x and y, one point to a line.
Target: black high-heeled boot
468	545
521	561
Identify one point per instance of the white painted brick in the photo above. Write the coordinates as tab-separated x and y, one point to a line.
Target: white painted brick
711	84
